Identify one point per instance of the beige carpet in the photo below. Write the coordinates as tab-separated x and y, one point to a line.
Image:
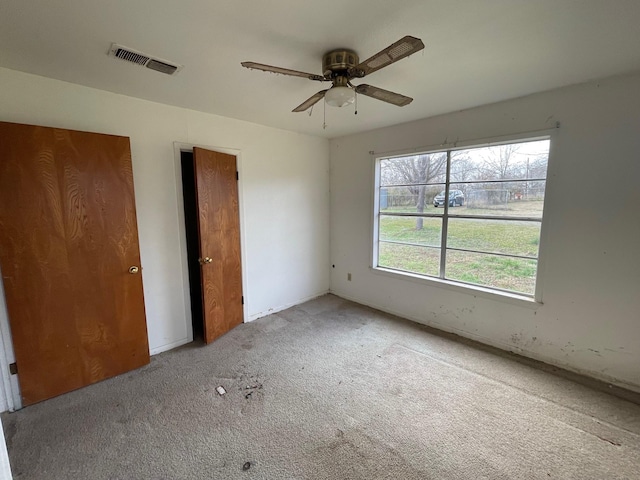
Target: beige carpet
335	391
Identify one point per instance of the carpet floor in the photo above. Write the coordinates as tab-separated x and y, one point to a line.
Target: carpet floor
330	390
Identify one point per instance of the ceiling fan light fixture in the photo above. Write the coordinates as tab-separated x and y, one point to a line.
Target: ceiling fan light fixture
341	66
339	96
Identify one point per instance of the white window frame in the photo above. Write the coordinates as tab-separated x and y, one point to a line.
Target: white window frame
457	285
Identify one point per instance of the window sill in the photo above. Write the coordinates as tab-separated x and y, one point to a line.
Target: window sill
476	291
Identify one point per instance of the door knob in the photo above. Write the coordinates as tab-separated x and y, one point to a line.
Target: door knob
206	260
133	270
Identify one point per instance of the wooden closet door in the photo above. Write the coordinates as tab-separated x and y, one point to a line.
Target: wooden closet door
68	239
219	237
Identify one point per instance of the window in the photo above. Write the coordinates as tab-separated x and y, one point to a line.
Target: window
469	215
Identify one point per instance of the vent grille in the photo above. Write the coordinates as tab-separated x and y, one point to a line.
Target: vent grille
138	58
161	67
132	57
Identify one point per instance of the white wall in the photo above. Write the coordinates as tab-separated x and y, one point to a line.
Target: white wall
284	188
590	318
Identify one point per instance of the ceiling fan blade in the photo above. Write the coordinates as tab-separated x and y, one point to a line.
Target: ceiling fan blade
384	95
310	102
402	48
283	71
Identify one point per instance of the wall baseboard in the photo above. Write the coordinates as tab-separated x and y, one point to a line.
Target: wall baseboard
270	311
169	346
499	345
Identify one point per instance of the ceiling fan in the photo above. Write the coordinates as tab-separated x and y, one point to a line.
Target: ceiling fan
341	66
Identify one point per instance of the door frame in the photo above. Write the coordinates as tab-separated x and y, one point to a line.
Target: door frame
10	385
179	147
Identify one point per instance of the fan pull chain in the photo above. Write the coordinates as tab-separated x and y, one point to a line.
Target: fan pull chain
355	94
311	110
324	123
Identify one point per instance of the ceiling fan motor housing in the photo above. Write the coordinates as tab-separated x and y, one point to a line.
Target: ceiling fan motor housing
338	62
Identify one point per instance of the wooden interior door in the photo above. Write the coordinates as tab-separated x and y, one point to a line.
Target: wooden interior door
219	236
70	258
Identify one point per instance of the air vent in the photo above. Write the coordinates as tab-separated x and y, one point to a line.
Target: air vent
130	55
162	67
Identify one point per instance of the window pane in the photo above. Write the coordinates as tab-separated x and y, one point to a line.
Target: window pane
413	169
503	199
495	204
424	260
412	199
419	230
507	273
516	161
494	236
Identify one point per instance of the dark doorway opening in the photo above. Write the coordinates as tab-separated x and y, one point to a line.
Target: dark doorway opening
193	245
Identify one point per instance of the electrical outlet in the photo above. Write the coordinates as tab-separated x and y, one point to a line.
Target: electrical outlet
349	276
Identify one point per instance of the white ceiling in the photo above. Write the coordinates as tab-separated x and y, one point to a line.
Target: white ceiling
477	51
